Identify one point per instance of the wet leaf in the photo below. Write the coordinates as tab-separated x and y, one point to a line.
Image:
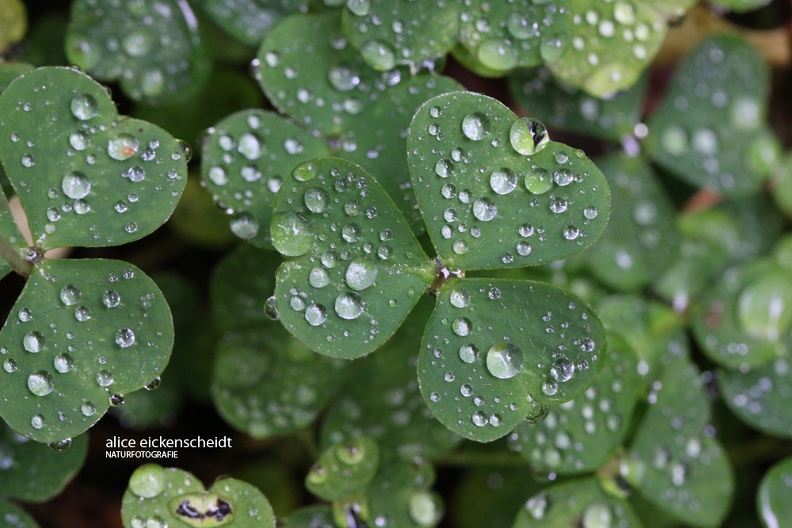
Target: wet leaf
388	406
13	23
80	332
495	352
641	241
379	138
580	502
672	463
151	47
746	319
782	185
772	498
321	82
310	517
170	496
85	175
392	32
494	191
498	37
33	472
569	108
400	495
249	21
343	470
15	517
580	435
358	270
761	397
710	128
9	233
490	496
245	158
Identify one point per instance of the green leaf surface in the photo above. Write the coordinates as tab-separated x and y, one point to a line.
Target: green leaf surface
496	351
672	462
265	382
609	47
10	71
502	36
772	498
310	517
13	23
391	32
761	397
33	472
486	204
151	47
12	243
15	517
580	435
80	332
172	497
245	158
570	108
641	240
580	502
746	319
389	406
85	175
782	185
150	408
358	269
491	496
709	130
343	470
249	21
321	82
400	495
379	139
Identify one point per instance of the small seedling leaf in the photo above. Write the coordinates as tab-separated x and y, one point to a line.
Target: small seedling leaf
761	397
343	470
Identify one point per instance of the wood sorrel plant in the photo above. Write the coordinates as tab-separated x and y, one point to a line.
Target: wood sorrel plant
460	317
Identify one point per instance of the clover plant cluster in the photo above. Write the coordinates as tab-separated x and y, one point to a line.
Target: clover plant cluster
427	302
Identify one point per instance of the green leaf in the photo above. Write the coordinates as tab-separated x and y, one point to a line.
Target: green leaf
82	331
151	47
170	496
379	138
761	397
400	495
672	462
772	498
389	406
343	470
746	320
608	48
245	158
265	382
15	517
580	502
641	241
85	175
569	108
359	270
782	185
249	21
321	82
494	191
494	352
709	136
310	517
580	435
12	244
33	472
502	36
13	23
490	496
391	32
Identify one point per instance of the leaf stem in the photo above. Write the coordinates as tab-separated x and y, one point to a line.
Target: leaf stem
10	255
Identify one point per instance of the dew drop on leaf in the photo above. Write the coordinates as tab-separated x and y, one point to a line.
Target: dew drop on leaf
360	274
348	306
61	446
84	107
122	147
504	360
63	363
33	342
315	314
475	126
104	378
125	338
76	185
148	481
40	383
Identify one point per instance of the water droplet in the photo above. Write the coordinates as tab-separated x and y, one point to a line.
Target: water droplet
315	314
87	408
135	174
504	360
563	177
33	342
359	7
444	168
468	353
484	209
538	181
148	481
63	363
79	141
461	326
528	136
348	306
550	388
104	378
37	422
122	147
343	78
425	508
9	365
116	400
475	126
111	298
558	205
245	226
61	446
674	140
571	232
479	419
459	297
497	54
460	247
76	185
82	313
503	181
249	146
25	315
125	338
40	383
435	397
361	274
378	55
84	107
291	234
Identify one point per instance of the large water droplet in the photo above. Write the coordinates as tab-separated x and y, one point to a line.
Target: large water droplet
84	107
122	147
104	378
33	342
459	297
63	363
318	278
148	481
468	353
379	55
475	126
111	298
9	365
343	78
538	181
40	383
245	226
37	422
348	305
125	338
597	515
249	146
315	314
503	181
497	54
425	508
504	360
461	326
484	209
87	408
361	274
528	136
291	234
61	446
76	185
